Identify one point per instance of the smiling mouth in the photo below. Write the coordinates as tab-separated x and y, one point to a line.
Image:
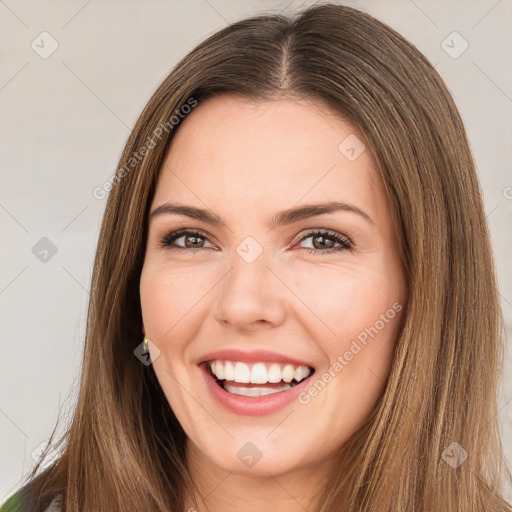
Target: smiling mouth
253	389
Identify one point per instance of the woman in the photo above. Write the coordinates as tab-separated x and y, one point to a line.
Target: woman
293	303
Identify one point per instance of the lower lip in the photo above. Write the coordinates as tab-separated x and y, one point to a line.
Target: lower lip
252	405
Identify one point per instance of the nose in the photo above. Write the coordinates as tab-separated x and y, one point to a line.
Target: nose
250	296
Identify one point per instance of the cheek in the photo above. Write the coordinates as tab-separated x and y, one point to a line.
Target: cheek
168	298
355	322
360	315
346	302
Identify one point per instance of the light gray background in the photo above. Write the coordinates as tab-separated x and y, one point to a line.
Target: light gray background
65	119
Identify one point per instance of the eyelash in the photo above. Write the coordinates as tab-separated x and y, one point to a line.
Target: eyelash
171	237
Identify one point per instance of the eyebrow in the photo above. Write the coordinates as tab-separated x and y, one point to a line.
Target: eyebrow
282	218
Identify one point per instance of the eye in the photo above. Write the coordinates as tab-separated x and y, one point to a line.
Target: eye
192	239
323	241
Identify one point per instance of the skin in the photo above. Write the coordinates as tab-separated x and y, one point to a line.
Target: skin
246	161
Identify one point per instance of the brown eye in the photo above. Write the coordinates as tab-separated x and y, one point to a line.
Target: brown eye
325	241
322	241
191	240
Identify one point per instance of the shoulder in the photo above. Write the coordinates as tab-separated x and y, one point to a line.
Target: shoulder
20	502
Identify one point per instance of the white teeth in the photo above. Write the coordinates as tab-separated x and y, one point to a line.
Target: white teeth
274	373
242	373
229	371
247	391
258	373
298	374
219	370
288	373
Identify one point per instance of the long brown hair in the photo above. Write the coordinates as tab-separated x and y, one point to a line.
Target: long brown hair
124	449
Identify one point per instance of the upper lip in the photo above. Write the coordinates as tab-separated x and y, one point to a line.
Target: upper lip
253	356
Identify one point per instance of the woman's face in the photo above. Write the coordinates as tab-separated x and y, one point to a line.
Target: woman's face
255	279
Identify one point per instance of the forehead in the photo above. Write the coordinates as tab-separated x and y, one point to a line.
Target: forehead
234	151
